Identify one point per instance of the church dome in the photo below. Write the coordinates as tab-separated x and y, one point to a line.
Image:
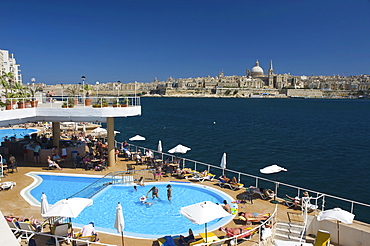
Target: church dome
257	70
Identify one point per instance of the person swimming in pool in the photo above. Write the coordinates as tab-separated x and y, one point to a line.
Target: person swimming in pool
143	201
154	191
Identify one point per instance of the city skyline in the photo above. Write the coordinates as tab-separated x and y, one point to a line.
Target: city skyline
138	41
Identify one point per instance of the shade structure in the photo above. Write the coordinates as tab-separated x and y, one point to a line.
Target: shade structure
68	208
203	212
44	204
102	132
137	138
272	169
337	214
179	149
99	130
223	161
119	223
160	146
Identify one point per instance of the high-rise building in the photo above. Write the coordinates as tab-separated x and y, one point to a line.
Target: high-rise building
9	64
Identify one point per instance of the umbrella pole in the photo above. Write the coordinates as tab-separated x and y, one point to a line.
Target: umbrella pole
338	231
206	234
123	241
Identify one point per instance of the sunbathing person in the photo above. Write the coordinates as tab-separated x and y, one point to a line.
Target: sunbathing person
187	240
253	217
225	179
230	232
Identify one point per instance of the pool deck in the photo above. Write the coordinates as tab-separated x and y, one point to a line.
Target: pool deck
12	203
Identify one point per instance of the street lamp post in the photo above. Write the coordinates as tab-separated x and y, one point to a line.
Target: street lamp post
83	88
118	85
97	88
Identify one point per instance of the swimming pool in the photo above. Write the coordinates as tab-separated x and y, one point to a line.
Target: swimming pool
163	218
17	133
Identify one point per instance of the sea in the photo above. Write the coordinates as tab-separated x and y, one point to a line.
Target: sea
323	143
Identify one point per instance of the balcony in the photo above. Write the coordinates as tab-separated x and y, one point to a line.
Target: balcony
60	108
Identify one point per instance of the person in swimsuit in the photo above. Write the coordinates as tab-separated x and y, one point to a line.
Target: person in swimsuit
169	192
154	191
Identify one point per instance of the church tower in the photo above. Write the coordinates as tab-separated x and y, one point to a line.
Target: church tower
270	73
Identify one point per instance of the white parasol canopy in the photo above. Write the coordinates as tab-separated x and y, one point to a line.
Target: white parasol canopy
223	161
272	169
337	214
99	130
179	149
160	146
68	208
44	204
119	223
137	138
203	212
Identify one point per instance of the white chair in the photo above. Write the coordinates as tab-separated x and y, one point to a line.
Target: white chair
26	230
13	227
61	231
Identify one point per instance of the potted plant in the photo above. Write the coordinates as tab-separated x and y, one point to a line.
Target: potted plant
6	80
73	92
22	94
87	89
125	102
32	90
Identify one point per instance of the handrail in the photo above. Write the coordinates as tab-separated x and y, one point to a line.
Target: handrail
90	185
319	195
67	239
71	101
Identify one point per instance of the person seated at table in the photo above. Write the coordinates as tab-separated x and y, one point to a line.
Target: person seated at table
87	161
225	179
253	217
52	163
149	154
138	158
183	241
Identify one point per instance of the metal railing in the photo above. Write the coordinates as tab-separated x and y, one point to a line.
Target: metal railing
321	199
71	102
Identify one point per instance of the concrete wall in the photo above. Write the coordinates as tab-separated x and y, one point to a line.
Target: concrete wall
356	234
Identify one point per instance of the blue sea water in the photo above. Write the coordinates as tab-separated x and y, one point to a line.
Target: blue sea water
323	143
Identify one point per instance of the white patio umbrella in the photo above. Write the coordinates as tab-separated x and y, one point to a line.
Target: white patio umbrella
179	149
336	214
99	130
137	138
44	204
160	146
119	223
68	208
223	163
84	128
273	169
203	212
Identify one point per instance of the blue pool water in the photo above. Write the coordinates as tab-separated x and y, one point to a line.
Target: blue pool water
17	133
162	218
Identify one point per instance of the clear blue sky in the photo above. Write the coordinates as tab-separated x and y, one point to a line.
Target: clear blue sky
111	40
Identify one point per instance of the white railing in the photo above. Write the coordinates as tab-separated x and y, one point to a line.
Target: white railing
196	165
57	238
71	102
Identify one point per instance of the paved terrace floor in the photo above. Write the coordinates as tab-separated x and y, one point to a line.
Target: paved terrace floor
13	204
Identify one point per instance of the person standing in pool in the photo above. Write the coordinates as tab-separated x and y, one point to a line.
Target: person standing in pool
154	191
169	192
